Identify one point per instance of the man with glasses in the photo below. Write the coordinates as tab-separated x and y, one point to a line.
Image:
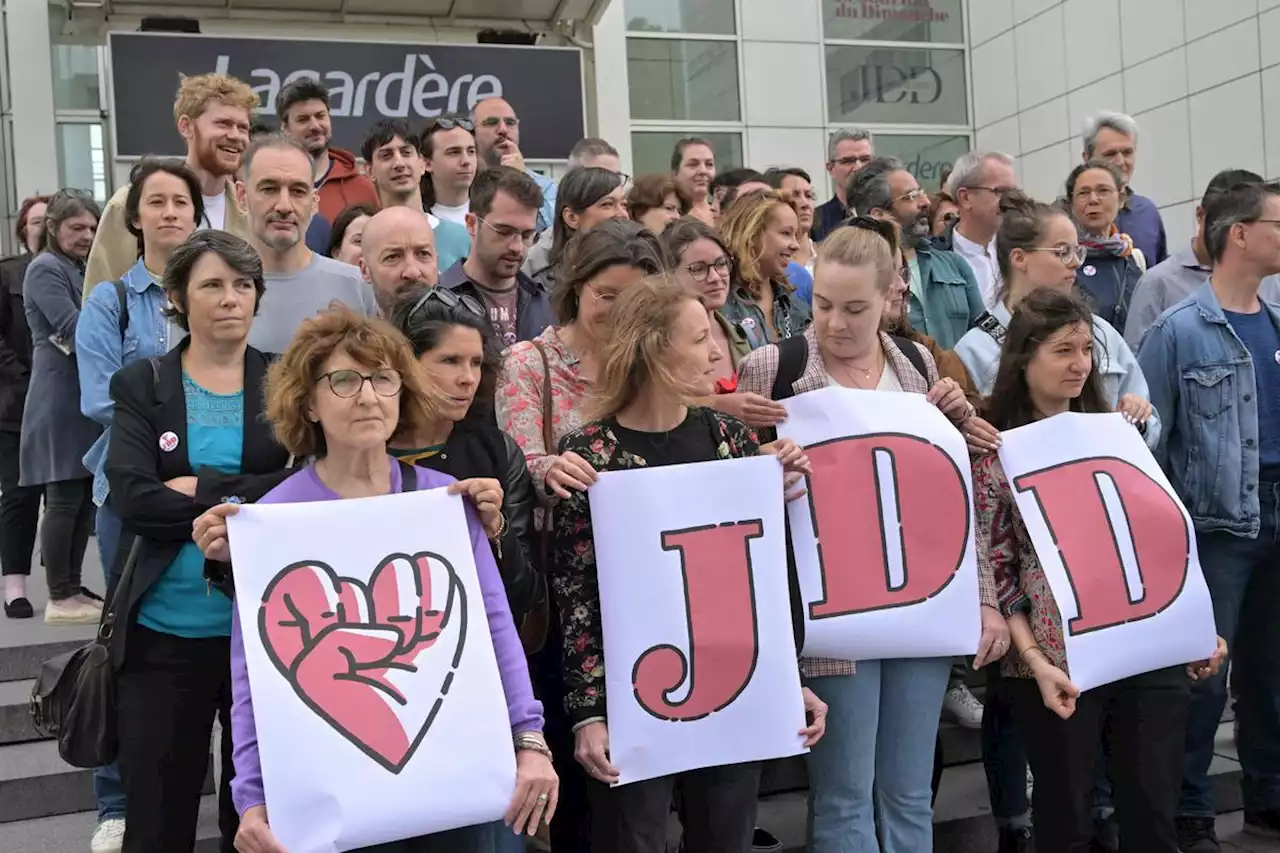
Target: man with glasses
1213	366
1173	279
847	151
393	155
977	183
943	294
1113	138
498	142
503	225
449	150
398	255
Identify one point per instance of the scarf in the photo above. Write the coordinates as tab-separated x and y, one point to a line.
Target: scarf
1115	244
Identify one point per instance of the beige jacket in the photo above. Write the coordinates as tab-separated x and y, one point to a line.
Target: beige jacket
115	250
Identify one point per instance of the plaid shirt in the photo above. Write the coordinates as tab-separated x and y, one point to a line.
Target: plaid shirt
757	375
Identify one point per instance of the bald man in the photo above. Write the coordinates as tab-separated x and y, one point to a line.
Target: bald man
498	144
398	254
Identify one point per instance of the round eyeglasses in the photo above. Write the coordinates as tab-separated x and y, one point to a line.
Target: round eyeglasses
346	384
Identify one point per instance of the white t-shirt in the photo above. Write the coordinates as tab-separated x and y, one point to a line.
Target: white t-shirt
888	379
453	214
215	211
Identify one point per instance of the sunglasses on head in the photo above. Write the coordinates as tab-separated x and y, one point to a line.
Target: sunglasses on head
450	300
449	124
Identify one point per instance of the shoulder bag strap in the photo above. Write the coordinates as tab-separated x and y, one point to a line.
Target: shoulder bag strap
912	352
548	433
111	614
988	323
793	358
408	477
123	298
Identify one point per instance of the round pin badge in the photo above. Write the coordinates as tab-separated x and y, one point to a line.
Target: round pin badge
1278	356
1089	269
748	323
168	442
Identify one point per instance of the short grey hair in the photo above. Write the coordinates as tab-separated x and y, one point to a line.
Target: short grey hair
848	134
1119	122
970	169
589	149
275	141
869	186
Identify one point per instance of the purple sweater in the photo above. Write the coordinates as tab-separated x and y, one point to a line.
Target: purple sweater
524	711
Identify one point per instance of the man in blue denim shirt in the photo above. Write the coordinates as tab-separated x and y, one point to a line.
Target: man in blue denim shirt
1213	365
161	209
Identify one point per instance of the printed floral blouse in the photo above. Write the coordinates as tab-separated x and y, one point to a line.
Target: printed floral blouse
1006	553
573	573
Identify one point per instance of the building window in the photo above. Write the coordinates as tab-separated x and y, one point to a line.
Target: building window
710	17
678	80
82	160
75	77
926	157
651	151
896	85
936	21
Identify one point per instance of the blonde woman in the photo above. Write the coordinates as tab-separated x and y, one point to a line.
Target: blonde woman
762	231
659	357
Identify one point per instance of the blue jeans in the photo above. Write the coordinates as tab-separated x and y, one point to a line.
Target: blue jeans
1244	582
106	780
875	763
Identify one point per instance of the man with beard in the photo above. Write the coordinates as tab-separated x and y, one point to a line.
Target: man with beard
393	155
212	112
280	196
498	144
398	255
503	225
945	300
303	108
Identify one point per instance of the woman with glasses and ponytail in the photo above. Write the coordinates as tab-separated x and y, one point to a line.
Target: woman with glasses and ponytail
1037	246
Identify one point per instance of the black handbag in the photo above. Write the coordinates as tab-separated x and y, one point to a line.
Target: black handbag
74	698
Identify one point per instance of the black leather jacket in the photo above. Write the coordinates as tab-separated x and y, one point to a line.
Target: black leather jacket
15	343
477	448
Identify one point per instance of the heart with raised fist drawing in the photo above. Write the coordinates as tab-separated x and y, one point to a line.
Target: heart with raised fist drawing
374	660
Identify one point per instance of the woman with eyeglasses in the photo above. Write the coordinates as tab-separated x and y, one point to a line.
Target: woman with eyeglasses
187	433
541	397
585	197
1111	267
878	755
346	387
1036	247
761	231
454	342
55	434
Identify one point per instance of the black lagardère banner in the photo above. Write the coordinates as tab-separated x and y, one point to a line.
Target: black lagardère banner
366	81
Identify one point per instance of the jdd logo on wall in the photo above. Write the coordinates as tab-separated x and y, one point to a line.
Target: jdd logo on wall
366	81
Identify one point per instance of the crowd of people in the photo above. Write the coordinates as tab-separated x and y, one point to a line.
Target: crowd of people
273	319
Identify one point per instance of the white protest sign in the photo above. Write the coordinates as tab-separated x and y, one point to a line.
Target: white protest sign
883	541
1116	545
700	660
379	710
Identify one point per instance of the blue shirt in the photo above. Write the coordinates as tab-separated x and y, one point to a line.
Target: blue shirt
1259	336
453	242
100	352
1140	219
180	602
546	213
319	230
802	281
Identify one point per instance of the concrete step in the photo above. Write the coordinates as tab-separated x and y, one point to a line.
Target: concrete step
70	833
25	644
15	713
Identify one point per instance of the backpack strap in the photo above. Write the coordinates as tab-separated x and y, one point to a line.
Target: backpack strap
793	358
123	299
408	476
155	371
912	352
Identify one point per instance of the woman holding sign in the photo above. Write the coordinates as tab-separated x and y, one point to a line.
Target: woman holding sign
884	720
346	387
1048	368
1037	247
659	357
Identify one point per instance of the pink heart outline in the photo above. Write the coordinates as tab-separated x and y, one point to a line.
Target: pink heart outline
363	731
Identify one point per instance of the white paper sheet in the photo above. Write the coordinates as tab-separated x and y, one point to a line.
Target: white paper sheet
1116	544
884	540
711	532
353	753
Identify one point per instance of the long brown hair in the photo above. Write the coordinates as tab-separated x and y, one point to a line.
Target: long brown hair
1038	317
743	224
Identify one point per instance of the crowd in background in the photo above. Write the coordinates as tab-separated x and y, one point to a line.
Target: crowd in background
274	319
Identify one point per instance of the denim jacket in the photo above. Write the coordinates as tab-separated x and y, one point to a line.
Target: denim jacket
1202	383
791	314
952	300
100	352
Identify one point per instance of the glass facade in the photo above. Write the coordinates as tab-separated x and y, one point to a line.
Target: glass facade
926	157
936	21
892	85
651	150
82	158
679	80
681	16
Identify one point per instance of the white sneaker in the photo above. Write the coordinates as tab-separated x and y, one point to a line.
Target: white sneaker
108	837
963	707
71	611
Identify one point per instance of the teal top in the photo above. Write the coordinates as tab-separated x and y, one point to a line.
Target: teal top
181	603
453	243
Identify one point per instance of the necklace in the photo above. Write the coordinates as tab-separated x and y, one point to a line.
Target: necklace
865	371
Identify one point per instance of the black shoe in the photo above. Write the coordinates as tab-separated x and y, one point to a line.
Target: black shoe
1265	823
1015	840
1106	835
19	608
762	841
90	594
1197	835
